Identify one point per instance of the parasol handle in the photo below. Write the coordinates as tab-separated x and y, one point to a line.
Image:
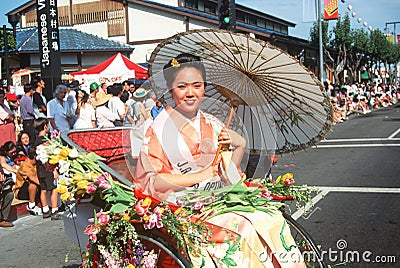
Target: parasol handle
217	153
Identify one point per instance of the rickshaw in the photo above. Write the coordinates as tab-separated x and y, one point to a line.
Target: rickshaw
113	145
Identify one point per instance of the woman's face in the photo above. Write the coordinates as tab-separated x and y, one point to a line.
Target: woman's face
188	91
25	139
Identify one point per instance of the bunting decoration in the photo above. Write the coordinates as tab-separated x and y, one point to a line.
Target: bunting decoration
358	19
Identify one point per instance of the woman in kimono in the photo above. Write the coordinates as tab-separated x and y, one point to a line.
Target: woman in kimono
177	153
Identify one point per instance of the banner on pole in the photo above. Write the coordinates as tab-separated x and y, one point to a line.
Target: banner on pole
309	11
49	44
331	11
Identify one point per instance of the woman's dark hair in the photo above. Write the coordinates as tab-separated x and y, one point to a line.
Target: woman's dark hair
7	146
40	123
125	96
171	69
85	96
19	142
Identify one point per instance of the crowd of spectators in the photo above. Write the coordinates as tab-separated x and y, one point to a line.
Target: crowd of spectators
360	98
26	120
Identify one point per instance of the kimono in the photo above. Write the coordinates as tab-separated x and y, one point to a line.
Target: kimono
181	148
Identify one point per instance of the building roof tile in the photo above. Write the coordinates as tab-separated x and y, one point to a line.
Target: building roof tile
70	40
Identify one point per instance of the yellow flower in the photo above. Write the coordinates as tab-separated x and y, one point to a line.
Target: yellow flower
94	176
126	217
54	160
81	192
278	180
65	196
287	176
130	266
64	152
174	63
146	202
145	218
62	182
184	226
82	184
62	189
77	177
180	212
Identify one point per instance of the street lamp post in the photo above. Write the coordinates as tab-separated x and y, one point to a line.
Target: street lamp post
6	56
13	19
395	41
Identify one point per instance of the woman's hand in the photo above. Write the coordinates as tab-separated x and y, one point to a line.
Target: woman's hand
224	139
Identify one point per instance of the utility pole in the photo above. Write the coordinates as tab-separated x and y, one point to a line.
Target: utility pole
395	41
321	51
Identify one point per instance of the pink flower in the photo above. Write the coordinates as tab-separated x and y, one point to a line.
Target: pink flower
154	219
142	206
102	181
91	188
54	135
266	194
288	181
149	260
92	231
104	185
102	218
198	206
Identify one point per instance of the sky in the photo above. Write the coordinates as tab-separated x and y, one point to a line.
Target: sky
375	12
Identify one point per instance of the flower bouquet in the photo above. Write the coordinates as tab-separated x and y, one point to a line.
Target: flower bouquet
112	233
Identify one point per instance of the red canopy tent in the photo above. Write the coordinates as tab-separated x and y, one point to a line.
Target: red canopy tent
116	69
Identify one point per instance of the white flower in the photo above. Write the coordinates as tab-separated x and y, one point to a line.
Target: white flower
63	166
73	153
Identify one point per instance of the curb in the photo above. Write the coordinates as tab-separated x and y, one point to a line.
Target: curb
18	209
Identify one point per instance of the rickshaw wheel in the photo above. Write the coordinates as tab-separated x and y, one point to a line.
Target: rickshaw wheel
306	245
168	255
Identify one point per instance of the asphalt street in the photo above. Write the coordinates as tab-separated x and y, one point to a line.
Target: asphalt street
356	215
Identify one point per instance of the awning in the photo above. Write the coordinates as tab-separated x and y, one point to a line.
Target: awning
364	76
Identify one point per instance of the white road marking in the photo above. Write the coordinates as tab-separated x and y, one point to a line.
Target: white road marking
355	189
356	145
394	134
325	190
391	138
308	206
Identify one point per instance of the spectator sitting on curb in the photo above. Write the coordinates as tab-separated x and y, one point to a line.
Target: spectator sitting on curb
27	184
7	154
6	198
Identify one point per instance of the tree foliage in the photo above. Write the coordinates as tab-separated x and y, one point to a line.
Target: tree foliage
10	39
355	49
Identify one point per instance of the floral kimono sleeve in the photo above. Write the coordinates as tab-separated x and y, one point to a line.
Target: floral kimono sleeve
152	161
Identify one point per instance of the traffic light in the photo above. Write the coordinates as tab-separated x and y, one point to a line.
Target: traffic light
227	16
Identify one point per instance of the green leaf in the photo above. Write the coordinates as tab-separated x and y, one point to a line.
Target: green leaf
229	261
233	249
118	208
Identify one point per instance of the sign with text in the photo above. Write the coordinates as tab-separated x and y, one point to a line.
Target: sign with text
49	44
331	11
